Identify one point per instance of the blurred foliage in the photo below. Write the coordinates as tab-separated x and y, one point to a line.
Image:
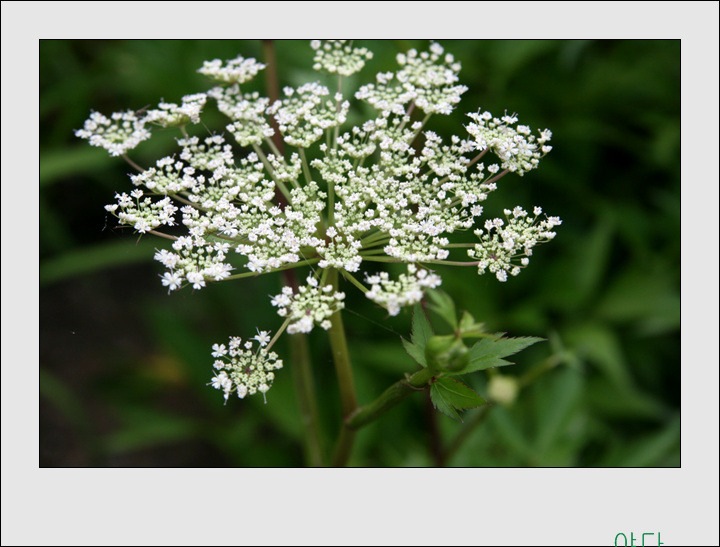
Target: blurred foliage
124	367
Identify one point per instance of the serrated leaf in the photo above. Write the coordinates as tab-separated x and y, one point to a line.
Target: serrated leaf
444	306
469	328
415	352
421	333
448	396
489	353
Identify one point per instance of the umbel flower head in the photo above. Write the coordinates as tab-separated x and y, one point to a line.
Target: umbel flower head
384	189
242	369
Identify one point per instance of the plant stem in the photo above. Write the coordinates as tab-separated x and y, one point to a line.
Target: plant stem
379	258
305	166
390	397
302	370
435	437
280	186
132	163
343	368
282	268
272	85
305	389
465	432
355	282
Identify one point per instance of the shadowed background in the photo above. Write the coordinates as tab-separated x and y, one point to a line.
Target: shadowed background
124	366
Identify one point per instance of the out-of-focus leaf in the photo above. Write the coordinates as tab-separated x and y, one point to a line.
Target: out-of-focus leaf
92	259
56	164
648	299
59	394
557	405
143	427
600	345
512	437
651	450
623	402
593	258
443	305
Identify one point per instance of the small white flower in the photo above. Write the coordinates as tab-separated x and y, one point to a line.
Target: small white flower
219	350
172	280
262	337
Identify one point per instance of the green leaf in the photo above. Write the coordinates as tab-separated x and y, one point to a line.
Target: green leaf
416	352
489	353
469	328
446	353
449	396
421	333
91	259
444	306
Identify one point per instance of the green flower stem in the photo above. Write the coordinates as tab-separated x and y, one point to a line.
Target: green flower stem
132	163
278	333
331	203
267	165
274	149
452	263
289	266
354	281
498	176
343	368
391	396
472	162
305	166
477	158
305	390
379	258
160	234
407	113
336	129
186	202
372	239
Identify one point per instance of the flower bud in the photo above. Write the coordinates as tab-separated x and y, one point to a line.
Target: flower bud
446	353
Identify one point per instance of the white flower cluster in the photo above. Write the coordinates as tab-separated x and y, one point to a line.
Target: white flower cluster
250	124
339	57
409	289
414	197
305	113
121	132
143	215
241	369
172	115
194	259
518	150
502	243
427	79
312	305
235	71
385	189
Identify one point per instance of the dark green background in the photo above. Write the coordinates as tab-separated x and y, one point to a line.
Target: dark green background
124	365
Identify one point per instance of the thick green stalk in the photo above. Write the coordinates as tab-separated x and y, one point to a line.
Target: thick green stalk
391	396
305	389
343	368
